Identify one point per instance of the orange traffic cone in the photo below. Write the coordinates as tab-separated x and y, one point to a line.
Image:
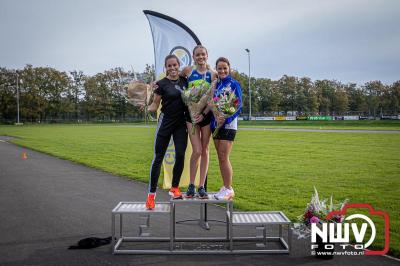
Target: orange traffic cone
24	156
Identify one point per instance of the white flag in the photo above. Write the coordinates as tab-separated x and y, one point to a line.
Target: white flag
170	36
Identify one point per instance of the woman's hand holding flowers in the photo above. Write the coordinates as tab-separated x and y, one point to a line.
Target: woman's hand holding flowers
152	108
221	120
198	118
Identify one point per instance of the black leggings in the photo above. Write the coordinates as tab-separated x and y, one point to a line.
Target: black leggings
165	129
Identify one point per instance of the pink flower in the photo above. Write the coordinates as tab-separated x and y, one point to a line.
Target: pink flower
308	215
216	99
314	220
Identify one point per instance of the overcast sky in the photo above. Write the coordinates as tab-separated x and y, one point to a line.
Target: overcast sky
346	40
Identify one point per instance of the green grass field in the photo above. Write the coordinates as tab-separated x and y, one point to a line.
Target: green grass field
272	170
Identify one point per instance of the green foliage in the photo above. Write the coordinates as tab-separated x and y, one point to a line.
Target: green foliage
47	94
50	95
323	97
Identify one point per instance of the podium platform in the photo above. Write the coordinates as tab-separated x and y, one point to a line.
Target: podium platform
203	220
245	232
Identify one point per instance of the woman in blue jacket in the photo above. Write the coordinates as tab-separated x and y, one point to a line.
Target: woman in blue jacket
223	140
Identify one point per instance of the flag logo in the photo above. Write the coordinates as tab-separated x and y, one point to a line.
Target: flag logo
183	54
171	37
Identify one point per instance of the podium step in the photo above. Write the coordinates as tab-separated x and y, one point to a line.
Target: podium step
140	207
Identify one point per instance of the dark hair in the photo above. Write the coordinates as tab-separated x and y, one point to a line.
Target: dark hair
222	59
198	47
171	56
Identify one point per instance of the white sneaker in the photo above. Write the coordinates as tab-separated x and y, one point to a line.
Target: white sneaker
229	194
225	194
220	194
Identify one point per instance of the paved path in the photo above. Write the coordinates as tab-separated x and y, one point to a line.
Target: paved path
47	204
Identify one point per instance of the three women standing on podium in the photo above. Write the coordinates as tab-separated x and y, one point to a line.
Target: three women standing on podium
170	124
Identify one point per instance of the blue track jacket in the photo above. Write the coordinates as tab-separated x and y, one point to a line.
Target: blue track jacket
222	85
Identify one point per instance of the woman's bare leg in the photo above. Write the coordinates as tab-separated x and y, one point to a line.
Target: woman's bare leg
205	155
196	151
224	148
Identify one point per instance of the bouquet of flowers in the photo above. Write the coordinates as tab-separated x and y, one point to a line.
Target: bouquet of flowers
138	94
196	99
316	212
225	105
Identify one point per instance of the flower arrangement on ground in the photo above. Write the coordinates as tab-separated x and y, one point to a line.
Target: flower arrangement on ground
316	212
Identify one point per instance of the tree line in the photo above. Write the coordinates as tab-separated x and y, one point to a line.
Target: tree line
302	96
49	95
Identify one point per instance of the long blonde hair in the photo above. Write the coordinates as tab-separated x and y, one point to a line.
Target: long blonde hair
208	67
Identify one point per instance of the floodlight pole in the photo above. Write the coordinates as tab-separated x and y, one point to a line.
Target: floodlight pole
17	97
248	53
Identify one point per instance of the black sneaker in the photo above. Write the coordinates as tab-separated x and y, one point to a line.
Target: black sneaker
202	193
190	191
